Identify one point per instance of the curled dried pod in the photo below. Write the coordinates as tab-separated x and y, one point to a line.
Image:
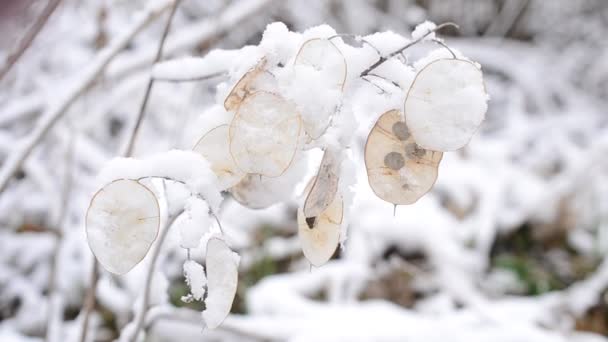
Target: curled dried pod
446	104
122	222
320	235
264	134
214	146
398	169
324	186
257	78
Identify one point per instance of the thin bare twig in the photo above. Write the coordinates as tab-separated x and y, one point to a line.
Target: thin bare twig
146	295
16	158
383	59
142	108
190	79
29	37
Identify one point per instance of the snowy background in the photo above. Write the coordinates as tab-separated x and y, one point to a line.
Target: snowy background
508	246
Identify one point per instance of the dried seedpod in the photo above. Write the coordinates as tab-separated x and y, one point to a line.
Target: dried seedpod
446	104
214	146
258	78
320	235
324	186
319	64
264	134
399	171
122	222
222	278
324	56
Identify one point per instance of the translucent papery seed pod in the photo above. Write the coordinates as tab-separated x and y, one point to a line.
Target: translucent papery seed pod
222	280
324	186
446	104
264	134
320	235
324	56
122	222
258	78
214	146
399	171
320	72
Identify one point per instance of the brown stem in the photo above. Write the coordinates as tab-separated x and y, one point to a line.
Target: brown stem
29	37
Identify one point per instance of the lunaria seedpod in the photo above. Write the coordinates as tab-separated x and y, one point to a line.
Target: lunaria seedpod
122	222
446	104
399	171
320	235
257	78
222	278
319	63
214	146
264	134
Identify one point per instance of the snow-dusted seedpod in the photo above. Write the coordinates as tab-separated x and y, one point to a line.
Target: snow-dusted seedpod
320	235
320	64
258	78
264	134
122	222
214	146
222	279
399	171
446	104
324	56
324	186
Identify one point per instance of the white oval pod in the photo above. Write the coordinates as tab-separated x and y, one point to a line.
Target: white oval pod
214	146
222	279
252	192
264	134
319	74
325	57
122	222
446	104
320	235
398	170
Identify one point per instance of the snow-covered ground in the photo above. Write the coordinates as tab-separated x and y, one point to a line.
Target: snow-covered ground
535	170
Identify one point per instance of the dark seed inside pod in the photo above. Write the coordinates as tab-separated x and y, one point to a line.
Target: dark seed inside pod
394	161
415	150
310	222
400	130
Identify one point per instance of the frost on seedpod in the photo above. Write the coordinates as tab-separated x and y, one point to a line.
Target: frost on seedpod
194	273
222	277
319	75
122	222
446	104
264	134
320	235
214	146
258	78
399	171
324	186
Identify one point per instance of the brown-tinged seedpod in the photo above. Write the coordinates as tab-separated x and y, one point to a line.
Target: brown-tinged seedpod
264	134
320	235
399	171
214	146
122	222
324	186
257	78
446	104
